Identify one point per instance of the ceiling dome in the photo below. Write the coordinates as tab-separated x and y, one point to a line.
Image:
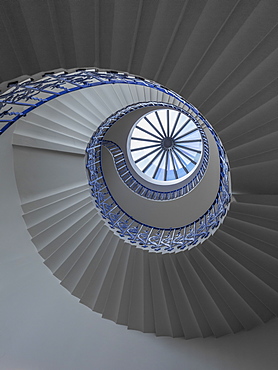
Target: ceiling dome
165	146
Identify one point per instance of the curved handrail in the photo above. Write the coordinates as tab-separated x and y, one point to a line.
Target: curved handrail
146	236
26	96
132	183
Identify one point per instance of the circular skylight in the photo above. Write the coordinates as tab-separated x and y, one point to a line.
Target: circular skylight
165	146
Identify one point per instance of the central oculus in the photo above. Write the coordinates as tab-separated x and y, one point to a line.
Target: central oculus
167	143
165	146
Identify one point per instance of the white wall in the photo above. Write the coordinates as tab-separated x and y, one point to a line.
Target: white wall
43	327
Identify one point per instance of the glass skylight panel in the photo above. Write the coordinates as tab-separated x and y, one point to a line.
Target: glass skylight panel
165	146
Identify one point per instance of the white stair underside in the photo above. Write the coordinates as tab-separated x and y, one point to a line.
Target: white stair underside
226	285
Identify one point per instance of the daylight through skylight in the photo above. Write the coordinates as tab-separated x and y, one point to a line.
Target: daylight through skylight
165	146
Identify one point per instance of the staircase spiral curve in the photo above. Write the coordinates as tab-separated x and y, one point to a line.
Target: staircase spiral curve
220	55
224	285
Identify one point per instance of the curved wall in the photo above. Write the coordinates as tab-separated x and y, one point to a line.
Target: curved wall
173	213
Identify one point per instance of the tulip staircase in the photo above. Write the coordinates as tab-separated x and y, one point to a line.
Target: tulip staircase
225	284
220	55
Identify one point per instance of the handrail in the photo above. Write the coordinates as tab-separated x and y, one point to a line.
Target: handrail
147	192
143	235
26	96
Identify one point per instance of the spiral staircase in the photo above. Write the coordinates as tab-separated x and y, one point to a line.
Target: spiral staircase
229	282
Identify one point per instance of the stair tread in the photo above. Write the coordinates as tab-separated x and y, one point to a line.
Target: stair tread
113	265
99	272
161	313
258	295
188	320
38	215
75	274
49	199
53	232
238	306
58	217
74	256
214	317
112	304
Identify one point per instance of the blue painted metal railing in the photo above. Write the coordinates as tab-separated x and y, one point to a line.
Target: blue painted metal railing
131	182
26	96
152	238
135	185
23	97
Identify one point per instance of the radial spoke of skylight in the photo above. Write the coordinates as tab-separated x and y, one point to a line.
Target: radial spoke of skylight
156	130
146	155
185	155
142	139
174	164
160	123
188	133
188	141
159	164
183	165
140	150
166	145
147	132
145	147
168	123
175	124
182	127
166	165
163	119
187	148
152	160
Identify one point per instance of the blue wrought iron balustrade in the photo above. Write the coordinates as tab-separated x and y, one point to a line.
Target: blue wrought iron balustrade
23	97
131	182
153	238
146	236
26	96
